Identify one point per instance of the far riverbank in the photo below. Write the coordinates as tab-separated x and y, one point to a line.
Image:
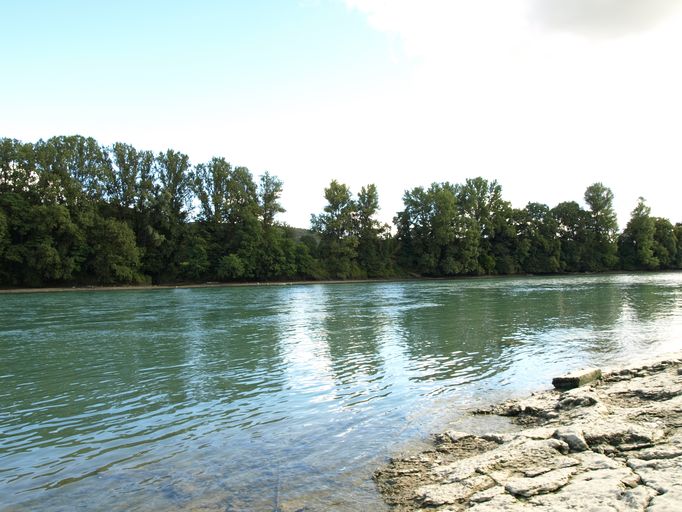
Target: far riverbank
195	285
81	288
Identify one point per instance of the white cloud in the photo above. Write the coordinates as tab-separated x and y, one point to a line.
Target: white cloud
546	112
602	17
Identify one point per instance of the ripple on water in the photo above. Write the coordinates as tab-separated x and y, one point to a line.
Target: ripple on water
266	397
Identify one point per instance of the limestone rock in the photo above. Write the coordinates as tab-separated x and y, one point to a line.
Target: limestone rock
500	503
498	438
595	494
661	475
621	434
538	433
569	401
590	461
573	437
616	446
542	484
448	494
487	494
662	451
668	502
455	435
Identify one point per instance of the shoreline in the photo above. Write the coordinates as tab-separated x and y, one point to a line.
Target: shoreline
210	284
613	444
142	287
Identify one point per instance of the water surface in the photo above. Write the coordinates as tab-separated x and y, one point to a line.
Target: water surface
284	397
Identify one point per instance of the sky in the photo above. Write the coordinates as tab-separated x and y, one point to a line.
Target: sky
545	96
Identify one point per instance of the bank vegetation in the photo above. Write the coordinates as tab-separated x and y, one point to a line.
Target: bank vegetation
73	211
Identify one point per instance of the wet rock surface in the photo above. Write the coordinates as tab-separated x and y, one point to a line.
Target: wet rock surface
614	444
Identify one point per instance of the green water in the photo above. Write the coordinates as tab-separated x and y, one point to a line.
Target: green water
284	397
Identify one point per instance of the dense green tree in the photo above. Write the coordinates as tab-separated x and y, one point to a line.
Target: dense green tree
42	243
238	218
244	228
18	168
114	258
413	232
374	248
437	236
481	201
666	243
539	248
427	230
337	220
307	266
277	249
678	236
210	183
243	197
194	256
245	242
458	229
4	232
601	252
308	259
481	204
131	183
72	171
336	228
636	245
231	267
167	213
272	255
269	194
172	174
73	211
367	207
571	221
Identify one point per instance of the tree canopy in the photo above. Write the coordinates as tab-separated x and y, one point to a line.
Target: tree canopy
73	211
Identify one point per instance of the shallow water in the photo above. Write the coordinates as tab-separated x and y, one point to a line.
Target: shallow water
284	397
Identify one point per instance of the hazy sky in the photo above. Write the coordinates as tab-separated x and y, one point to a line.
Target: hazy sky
546	96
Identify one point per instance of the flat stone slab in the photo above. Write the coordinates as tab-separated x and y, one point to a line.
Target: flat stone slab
613	447
577	378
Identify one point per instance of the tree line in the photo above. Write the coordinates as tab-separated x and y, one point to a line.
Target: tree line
73	211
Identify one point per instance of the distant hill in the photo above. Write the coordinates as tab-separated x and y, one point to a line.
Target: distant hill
299	233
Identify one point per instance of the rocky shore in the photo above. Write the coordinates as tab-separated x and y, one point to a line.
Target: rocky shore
613	444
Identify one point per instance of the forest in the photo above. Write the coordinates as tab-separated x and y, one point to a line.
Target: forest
74	212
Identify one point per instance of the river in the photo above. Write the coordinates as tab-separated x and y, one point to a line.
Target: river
284	397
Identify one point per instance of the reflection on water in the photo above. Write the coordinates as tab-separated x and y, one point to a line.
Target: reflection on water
263	398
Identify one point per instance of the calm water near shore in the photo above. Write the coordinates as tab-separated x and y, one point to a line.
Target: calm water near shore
284	397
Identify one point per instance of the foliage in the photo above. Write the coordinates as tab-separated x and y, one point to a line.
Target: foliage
636	244
338	238
74	211
602	228
114	257
539	248
666	243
